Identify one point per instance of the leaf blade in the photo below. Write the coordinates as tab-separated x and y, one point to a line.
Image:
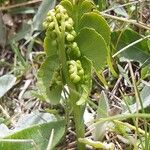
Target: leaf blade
138	52
96	51
37	133
97	22
6	83
45	75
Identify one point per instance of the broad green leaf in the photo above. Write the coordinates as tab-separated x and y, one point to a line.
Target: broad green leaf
86	6
34	118
138	52
25	121
75	11
45	75
6	83
34	137
97	22
86	85
93	46
68	6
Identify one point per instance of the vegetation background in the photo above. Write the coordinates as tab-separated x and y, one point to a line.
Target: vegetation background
122	86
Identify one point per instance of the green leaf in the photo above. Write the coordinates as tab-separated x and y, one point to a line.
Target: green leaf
86	85
6	83
138	52
34	118
45	75
86	6
93	46
36	137
97	22
68	6
25	121
75	11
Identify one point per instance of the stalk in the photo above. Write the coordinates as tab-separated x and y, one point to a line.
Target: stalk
78	111
61	49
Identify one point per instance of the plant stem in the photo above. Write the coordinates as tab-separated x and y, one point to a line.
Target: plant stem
78	111
102	79
120	117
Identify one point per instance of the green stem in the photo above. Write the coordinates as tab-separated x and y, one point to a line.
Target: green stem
73	98
120	117
78	111
111	63
102	79
61	48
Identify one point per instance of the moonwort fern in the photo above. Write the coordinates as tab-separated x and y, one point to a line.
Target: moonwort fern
76	43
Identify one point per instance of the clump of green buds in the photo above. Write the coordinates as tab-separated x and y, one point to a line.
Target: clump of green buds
73	50
58	22
76	71
54	16
56	79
